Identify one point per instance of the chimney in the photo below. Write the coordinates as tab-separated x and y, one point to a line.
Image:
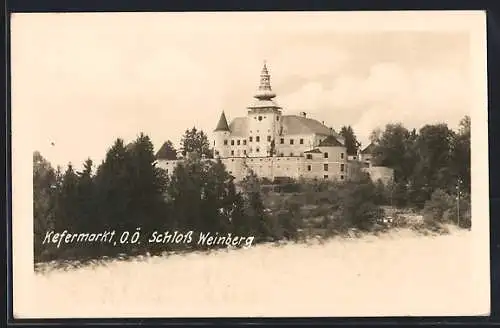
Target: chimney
303	114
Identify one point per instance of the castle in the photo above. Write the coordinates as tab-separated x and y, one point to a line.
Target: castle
274	145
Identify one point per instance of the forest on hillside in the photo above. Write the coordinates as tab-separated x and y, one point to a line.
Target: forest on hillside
128	191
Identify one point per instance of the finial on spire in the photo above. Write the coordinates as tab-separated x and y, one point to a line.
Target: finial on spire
265	90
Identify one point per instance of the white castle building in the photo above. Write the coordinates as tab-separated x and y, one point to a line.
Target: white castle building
274	145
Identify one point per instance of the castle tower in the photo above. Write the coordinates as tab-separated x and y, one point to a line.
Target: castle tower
221	137
264	117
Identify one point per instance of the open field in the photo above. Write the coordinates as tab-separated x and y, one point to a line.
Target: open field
399	273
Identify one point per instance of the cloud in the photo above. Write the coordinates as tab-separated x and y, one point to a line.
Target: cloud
389	93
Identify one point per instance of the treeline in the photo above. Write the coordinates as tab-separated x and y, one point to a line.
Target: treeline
129	191
432	168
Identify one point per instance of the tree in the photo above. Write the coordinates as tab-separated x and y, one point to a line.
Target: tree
434	148
85	197
393	148
351	142
67	214
254	206
196	141
147	185
44	198
461	156
113	190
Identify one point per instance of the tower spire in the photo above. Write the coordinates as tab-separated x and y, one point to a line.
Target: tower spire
222	125
265	91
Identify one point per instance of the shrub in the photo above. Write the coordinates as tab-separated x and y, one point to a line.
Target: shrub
435	208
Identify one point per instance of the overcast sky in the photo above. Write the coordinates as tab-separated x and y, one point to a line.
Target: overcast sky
82	80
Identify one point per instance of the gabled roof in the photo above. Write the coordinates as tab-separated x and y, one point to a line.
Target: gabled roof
369	149
294	124
315	150
166	153
330	141
222	125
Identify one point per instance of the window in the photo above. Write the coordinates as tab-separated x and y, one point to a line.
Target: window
309	156
341	155
301	141
341	177
232	152
257	138
282	154
257	149
282	140
244	142
216	153
244	151
277	118
341	167
291	154
326	155
325	167
325	176
167	171
250	139
260	118
225	142
238	142
309	167
232	142
291	141
269	138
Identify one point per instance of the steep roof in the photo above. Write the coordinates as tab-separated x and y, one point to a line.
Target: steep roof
222	125
166	153
293	124
315	150
239	127
369	149
330	141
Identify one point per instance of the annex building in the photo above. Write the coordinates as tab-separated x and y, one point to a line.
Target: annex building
275	145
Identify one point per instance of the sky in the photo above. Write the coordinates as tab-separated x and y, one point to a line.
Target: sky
79	81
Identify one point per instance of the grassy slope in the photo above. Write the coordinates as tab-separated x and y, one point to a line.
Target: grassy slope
398	273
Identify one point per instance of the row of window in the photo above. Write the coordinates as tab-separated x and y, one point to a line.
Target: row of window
325	155
257	139
325	167
260	118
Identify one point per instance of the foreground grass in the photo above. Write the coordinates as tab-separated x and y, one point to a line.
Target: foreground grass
397	273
